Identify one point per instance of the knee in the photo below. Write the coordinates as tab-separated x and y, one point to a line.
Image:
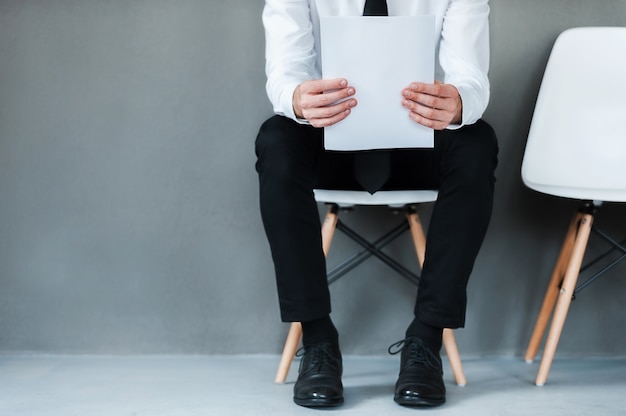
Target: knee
477	158
284	146
483	141
271	136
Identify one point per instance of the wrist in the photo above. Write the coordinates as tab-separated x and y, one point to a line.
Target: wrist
458	117
295	103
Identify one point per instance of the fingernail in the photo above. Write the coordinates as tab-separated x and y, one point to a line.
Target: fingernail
352	103
351	91
343	83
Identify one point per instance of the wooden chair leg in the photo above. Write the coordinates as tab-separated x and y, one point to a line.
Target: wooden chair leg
553	289
295	330
565	297
328	227
418	235
449	342
454	357
289	351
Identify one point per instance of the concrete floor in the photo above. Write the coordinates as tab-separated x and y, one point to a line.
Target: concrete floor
36	385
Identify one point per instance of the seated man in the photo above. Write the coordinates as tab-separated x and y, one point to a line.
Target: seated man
292	162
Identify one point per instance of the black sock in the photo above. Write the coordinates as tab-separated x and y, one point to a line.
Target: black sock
430	335
318	331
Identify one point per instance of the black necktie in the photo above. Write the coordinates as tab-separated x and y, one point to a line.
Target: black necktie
375	8
372	168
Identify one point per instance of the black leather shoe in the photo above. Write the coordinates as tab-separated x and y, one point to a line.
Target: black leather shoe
420	382
319	378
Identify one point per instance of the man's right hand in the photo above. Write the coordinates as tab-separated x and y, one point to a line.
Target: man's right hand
317	101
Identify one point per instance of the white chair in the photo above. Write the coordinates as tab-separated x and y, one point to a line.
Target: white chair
577	149
394	199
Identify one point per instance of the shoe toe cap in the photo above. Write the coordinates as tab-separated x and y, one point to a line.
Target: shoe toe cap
413	395
319	391
319	396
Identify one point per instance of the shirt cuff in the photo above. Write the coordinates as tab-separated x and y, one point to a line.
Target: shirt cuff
285	104
472	110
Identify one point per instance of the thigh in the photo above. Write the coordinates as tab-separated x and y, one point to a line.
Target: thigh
335	170
470	151
413	169
295	150
282	142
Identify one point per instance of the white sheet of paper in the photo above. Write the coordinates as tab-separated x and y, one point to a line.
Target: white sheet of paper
379	56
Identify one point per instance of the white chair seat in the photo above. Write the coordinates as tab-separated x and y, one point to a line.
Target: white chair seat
389	198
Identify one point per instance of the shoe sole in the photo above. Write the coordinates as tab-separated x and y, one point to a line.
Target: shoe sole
318	402
419	401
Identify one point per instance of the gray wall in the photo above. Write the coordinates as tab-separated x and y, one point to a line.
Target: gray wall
128	198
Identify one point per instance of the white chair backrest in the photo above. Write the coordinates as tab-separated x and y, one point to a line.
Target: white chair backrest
576	146
389	198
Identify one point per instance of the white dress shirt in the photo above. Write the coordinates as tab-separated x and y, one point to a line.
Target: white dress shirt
462	50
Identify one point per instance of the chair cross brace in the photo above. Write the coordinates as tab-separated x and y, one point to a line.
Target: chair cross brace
371	249
619	246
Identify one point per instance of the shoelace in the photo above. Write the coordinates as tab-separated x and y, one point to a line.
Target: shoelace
418	353
319	355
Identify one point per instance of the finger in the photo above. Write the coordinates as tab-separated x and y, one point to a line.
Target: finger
328	116
430	113
320	101
437	89
325	122
319	86
328	111
433	124
427	100
320	107
331	97
423	88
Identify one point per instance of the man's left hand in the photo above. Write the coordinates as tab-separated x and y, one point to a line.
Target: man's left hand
433	105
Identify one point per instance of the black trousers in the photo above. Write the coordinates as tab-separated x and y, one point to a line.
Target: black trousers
292	162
